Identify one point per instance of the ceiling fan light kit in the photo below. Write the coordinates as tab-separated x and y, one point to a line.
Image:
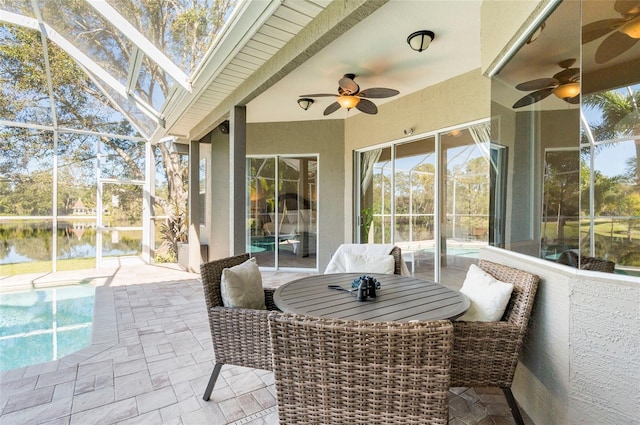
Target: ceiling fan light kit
420	40
564	84
632	28
348	102
621	34
350	96
567	91
305	103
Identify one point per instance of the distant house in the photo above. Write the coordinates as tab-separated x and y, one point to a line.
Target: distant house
79	208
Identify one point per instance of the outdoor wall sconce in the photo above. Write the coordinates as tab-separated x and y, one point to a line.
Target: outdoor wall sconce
305	103
420	40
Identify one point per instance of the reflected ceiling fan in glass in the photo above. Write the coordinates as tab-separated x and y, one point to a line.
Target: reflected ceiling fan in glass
350	96
623	33
564	84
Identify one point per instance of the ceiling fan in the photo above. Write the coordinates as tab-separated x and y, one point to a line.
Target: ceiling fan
350	96
564	84
625	31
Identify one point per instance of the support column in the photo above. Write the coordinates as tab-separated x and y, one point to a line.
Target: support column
147	205
237	180
195	258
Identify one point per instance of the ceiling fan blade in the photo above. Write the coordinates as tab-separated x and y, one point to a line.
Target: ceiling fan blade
566	75
331	108
347	85
614	45
531	98
597	29
318	95
625	6
378	93
538	84
573	100
367	106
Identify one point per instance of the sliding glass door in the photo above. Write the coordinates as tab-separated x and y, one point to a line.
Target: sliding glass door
282	211
430	197
464	200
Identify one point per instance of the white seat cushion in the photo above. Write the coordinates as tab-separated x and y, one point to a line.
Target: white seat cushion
357	263
489	297
241	286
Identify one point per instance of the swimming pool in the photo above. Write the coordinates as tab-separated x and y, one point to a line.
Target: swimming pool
43	325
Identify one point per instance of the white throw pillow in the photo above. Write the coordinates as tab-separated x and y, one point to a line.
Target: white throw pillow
357	263
489	297
241	286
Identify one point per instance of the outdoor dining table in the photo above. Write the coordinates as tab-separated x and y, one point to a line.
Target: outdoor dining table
400	298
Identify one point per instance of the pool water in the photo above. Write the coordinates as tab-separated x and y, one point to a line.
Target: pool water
44	325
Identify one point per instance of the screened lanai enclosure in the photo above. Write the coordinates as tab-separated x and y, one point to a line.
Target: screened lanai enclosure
86	170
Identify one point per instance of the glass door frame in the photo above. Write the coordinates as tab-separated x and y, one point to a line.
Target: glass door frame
277	213
439	181
145	226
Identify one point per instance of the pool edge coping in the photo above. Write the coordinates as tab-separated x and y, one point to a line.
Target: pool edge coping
104	328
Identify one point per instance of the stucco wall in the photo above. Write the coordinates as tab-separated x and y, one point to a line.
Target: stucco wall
581	363
326	139
218	198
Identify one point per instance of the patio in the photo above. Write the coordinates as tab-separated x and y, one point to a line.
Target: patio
153	365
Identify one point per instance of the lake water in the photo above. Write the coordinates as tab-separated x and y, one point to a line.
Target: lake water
27	241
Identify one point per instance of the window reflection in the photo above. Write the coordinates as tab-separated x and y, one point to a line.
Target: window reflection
574	183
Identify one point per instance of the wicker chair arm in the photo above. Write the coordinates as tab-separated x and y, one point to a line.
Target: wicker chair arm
501	329
485	354
241	336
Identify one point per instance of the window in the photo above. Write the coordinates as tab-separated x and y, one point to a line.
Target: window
573	182
430	196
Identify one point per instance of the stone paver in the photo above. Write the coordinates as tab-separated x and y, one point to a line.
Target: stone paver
152	359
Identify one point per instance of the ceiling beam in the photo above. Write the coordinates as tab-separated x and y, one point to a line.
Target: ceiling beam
47	65
84	61
142	42
336	19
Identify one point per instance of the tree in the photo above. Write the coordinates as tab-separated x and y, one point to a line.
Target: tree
562	179
183	29
620	118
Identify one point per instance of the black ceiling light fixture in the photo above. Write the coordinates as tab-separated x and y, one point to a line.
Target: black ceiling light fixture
224	127
420	40
305	103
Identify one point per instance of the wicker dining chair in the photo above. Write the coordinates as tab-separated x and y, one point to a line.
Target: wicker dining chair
397	258
485	354
333	372
240	336
597	264
574	259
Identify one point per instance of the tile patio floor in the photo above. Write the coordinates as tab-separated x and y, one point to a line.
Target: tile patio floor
151	359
